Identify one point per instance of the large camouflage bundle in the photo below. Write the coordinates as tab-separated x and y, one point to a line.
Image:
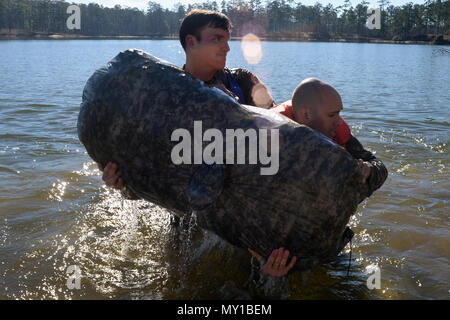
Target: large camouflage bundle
132	107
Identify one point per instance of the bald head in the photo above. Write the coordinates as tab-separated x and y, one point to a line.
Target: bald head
317	104
313	93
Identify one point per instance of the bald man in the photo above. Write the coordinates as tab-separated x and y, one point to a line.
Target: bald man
317	104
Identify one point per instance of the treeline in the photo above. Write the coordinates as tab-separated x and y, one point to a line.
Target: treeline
273	19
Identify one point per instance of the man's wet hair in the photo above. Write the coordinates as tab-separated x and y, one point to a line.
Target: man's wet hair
197	19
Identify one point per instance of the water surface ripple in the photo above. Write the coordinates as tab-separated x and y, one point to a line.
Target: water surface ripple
55	212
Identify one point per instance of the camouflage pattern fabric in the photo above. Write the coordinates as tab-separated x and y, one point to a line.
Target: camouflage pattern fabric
130	109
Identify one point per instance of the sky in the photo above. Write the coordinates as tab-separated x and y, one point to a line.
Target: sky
142	4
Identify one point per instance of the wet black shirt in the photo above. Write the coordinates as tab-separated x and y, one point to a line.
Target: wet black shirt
249	84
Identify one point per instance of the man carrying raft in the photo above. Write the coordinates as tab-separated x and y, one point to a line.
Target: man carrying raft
204	36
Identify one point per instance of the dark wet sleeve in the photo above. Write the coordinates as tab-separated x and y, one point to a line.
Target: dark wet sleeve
247	81
378	173
128	194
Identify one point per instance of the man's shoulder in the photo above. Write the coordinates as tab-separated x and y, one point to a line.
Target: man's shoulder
235	70
241	72
219	77
244	77
247	80
238	73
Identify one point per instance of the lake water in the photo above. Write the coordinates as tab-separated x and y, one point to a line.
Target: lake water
55	211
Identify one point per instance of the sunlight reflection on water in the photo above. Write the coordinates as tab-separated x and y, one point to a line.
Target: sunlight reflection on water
55	212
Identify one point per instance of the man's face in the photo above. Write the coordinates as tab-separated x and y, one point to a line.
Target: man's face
213	47
326	118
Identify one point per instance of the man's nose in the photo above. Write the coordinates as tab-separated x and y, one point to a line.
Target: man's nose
227	47
339	121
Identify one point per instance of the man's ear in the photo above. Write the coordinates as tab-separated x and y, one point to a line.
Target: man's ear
309	113
306	113
298	115
304	116
190	40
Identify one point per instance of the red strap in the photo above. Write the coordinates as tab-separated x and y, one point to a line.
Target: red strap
285	109
343	133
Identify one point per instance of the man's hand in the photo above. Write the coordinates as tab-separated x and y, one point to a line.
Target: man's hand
276	264
365	168
111	175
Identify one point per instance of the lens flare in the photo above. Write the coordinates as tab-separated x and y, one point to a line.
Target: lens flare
261	96
251	48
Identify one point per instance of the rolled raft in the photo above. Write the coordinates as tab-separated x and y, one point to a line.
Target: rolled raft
302	199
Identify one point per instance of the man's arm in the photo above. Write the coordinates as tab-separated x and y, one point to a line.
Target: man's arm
378	172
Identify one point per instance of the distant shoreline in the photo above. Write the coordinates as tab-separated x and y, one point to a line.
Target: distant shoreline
41	36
